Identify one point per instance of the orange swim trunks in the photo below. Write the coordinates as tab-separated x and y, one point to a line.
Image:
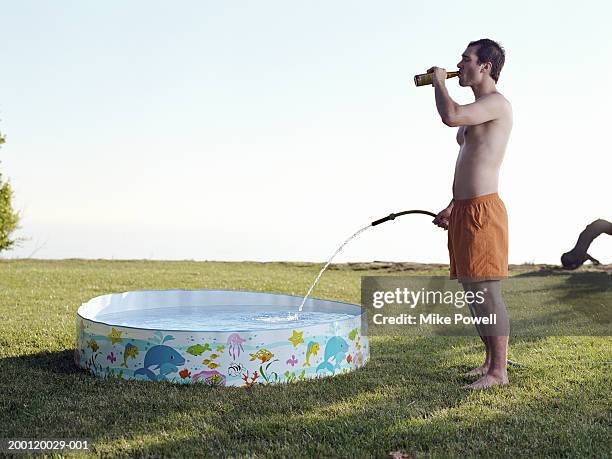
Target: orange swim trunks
478	239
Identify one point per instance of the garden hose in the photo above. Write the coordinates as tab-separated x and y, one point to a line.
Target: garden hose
399	214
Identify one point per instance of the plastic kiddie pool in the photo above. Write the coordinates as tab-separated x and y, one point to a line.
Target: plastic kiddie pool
218	337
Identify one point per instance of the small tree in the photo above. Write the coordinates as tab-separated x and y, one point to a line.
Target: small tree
9	219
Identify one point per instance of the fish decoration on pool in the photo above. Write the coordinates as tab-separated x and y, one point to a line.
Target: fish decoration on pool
162	358
312	349
129	351
236	369
211	362
198	349
263	354
185	373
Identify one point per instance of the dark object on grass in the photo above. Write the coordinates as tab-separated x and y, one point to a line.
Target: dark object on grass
578	255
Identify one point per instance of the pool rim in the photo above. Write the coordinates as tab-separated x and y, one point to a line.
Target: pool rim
352	316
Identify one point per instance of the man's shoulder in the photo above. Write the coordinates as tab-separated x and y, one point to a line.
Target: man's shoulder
498	97
500	101
492	107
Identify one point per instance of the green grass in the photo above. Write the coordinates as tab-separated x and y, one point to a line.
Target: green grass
409	397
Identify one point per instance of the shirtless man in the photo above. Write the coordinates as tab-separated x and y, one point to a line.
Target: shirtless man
476	217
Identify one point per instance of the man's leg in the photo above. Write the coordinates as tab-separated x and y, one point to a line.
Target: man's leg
495	335
482	369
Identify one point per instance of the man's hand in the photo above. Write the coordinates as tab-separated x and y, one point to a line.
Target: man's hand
439	75
441	219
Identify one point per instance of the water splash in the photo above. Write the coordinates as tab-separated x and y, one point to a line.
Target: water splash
328	263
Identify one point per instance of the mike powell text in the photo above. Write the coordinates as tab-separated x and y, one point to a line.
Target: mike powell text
411	298
433	319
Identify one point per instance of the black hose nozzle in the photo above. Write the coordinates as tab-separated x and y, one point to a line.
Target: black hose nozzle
392	216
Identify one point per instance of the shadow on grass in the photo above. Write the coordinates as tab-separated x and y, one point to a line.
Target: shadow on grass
409	396
574	283
61	363
45	395
578	303
559	271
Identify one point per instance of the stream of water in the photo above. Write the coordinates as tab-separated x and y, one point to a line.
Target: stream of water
329	262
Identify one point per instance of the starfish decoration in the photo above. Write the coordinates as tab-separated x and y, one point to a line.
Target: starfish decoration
115	336
296	338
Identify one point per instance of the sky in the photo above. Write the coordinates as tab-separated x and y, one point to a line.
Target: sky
273	130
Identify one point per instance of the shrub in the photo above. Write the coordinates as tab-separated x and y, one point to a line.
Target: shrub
9	219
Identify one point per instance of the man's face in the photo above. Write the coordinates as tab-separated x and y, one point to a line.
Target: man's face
469	71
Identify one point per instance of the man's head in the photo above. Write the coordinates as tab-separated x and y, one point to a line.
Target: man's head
481	59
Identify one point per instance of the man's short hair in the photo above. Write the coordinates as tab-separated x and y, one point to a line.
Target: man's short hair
490	51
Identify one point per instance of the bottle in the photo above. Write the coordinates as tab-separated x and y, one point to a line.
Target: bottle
427	78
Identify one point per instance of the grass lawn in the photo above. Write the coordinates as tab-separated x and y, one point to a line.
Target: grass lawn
408	398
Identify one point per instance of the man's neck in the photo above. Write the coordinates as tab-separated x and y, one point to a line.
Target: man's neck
484	89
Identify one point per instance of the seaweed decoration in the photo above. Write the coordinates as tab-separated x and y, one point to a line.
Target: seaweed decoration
272	376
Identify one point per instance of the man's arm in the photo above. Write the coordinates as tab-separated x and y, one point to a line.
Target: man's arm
485	109
444	103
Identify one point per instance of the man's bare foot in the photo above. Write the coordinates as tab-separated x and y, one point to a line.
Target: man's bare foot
480	371
488	380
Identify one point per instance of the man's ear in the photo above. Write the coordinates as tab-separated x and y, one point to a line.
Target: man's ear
487	66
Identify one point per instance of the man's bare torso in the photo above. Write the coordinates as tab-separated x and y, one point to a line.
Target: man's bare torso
481	152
